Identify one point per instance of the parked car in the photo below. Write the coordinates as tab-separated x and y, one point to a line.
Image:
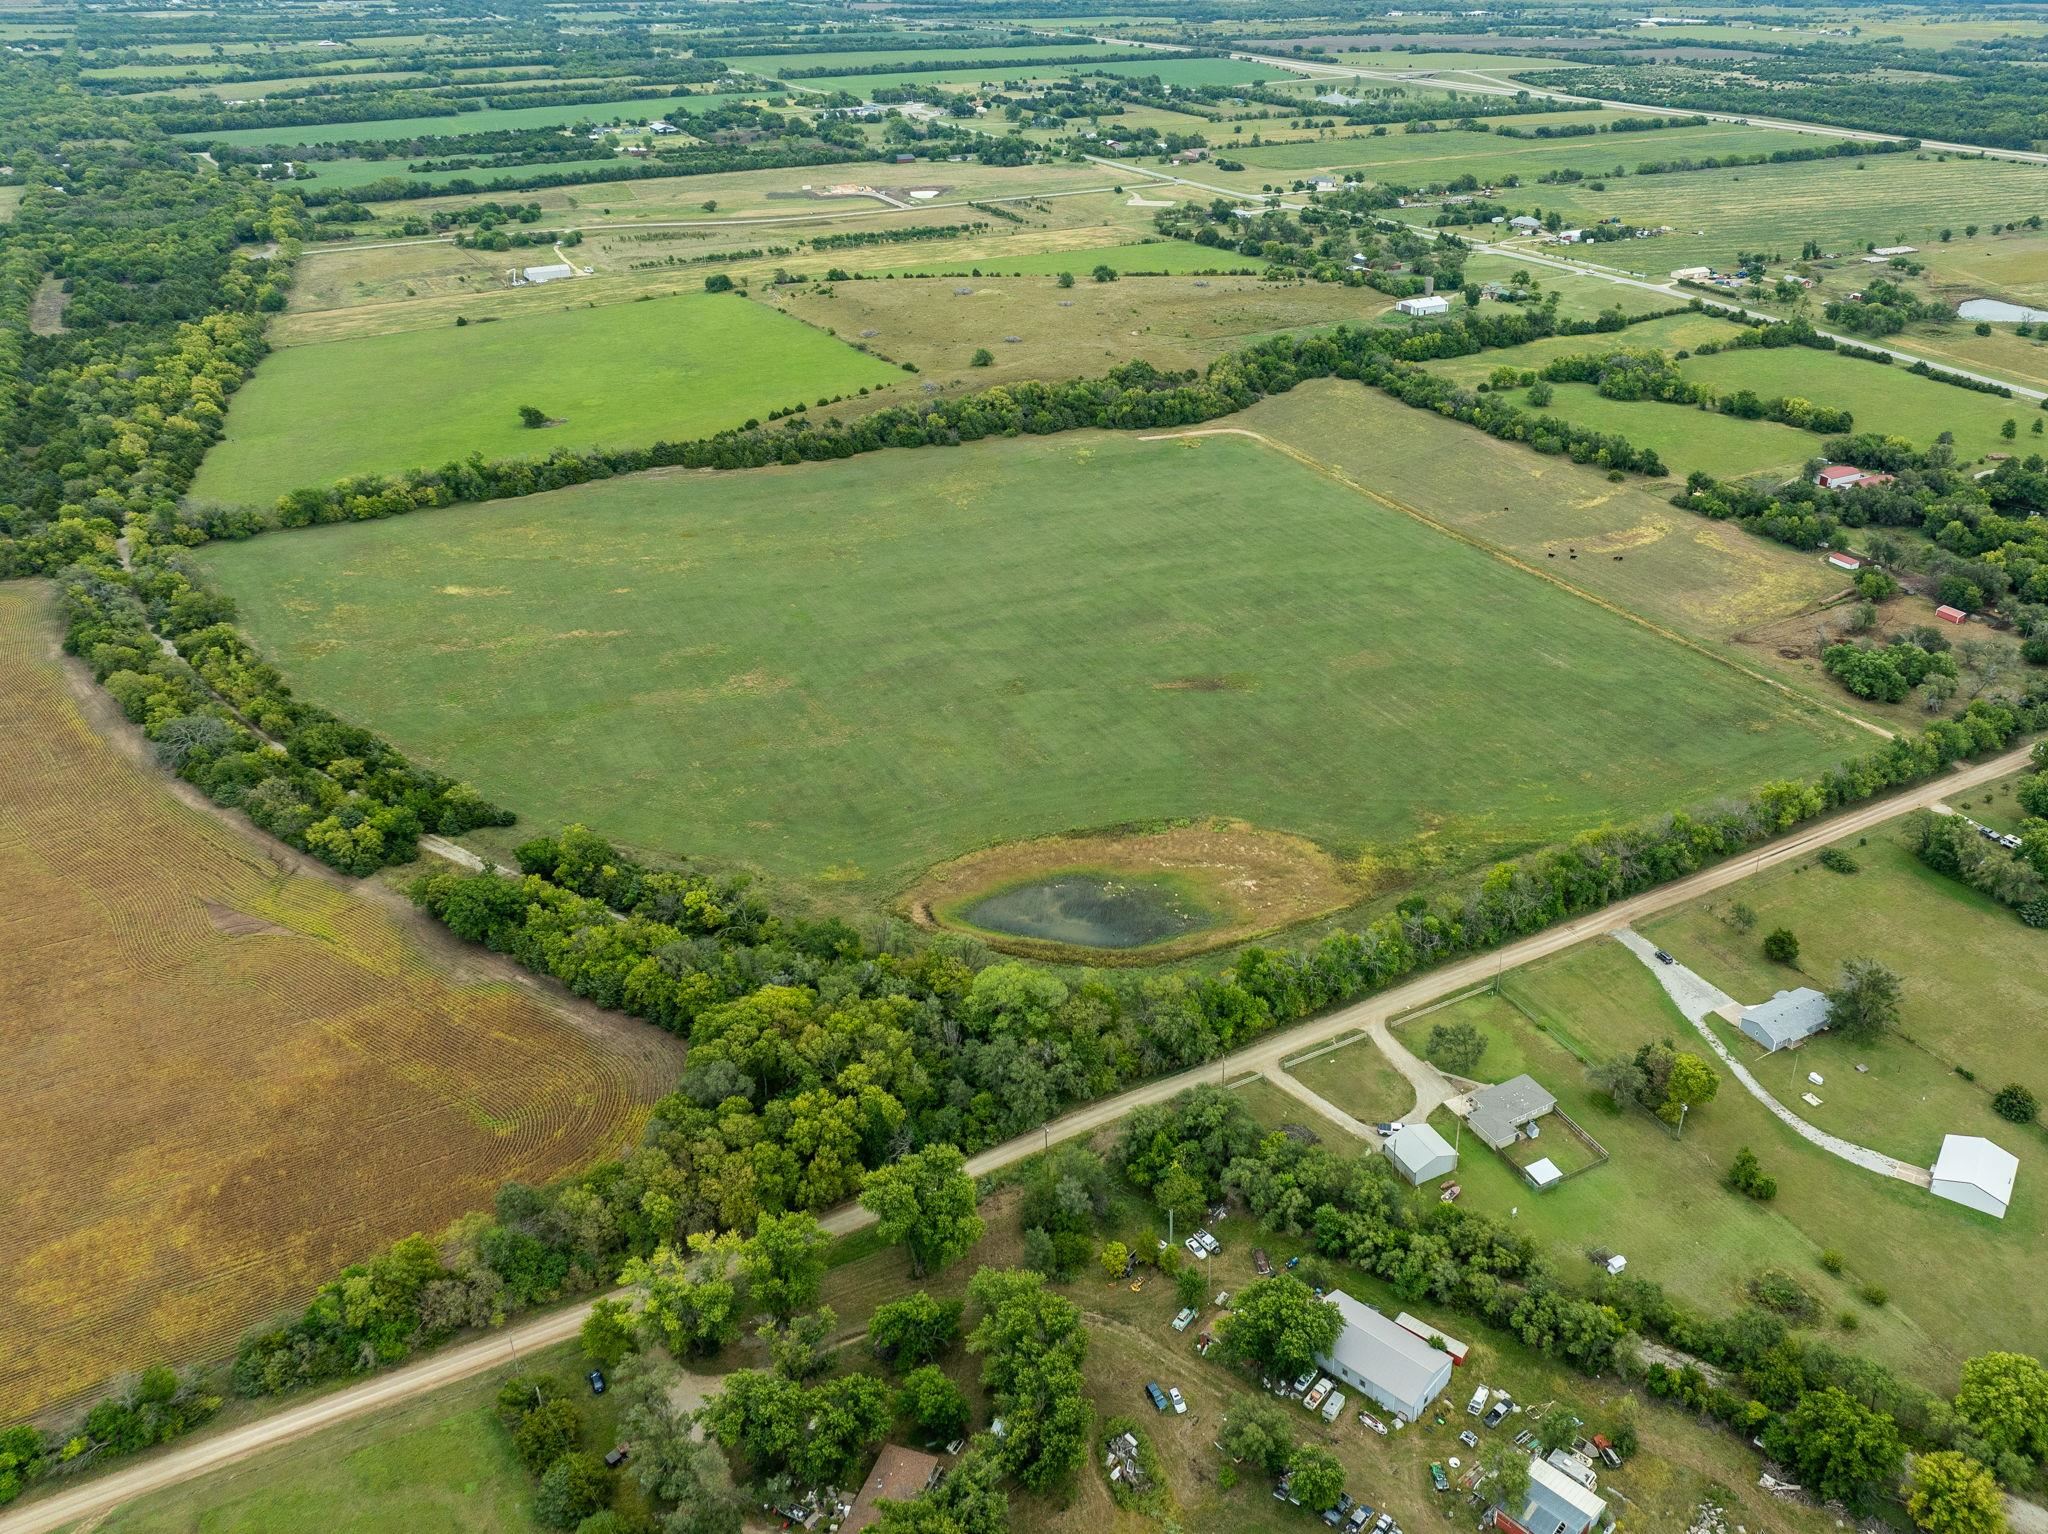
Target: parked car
1195	1247
1314	1398
1180	1406
1209	1243
1180	1322
596	1378
1361	1515
1478	1402
1665	958
1261	1262
1500	1410
1156	1396
1335	1516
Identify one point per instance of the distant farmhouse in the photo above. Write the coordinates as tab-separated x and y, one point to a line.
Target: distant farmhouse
1788	1018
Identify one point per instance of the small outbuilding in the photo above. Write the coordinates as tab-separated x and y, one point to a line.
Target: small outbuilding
1976	1173
1842	476
1429	1334
1557	1503
1948	614
554	272
1843	561
1425	306
1419	1153
1543	1174
1788	1018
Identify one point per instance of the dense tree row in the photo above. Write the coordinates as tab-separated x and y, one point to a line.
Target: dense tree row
1847	149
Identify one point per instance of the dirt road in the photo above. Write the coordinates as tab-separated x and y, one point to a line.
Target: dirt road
1371	1015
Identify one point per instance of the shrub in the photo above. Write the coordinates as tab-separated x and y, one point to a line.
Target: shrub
718	282
982	358
532	417
1747	1175
1838	861
1873	1294
575	1486
2013	1101
1831	1261
1775	1289
1781	946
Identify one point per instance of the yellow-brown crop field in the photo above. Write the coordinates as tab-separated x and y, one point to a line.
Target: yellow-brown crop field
228	1076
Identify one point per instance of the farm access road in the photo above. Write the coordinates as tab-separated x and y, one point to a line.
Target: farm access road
450	1365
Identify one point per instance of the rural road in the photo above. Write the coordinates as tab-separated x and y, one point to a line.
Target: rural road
1372	1016
1699	999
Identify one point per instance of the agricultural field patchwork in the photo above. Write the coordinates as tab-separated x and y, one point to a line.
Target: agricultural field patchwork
245	1075
652	654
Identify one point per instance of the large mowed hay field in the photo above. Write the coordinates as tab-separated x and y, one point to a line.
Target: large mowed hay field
623	375
228	1079
847	672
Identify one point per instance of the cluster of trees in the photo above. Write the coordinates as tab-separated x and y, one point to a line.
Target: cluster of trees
225	722
1660	1078
1885	673
160	1406
1885	309
1846	149
547	1431
1949	845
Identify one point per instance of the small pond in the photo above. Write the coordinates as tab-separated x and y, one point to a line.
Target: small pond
1092	910
1998	310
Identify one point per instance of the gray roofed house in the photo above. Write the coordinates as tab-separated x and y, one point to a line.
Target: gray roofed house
1420	1153
1498	1113
1788	1018
1385	1360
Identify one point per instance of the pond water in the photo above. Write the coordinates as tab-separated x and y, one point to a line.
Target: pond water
1092	911
1997	309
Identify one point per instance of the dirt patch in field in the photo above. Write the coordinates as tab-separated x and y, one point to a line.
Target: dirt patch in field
46	309
238	923
1261	881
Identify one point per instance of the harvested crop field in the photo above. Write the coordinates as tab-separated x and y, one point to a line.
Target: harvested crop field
232	1077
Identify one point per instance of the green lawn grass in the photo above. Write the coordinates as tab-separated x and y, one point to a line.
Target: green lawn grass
1959	1281
439	1464
1975	979
851	671
1358	1079
619	375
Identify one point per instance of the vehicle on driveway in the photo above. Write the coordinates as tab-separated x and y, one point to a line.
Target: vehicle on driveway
1665	958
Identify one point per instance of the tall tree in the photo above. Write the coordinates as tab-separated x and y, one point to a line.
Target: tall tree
1951	1493
926	1202
1865	1001
1280	1326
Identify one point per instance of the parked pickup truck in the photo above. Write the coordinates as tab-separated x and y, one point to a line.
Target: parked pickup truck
1314	1398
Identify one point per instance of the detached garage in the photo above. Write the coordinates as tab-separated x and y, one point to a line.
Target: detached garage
1972	1171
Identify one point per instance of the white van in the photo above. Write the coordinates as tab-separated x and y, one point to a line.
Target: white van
1478	1401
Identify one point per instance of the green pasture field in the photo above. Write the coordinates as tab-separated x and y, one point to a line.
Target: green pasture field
1280	1110
621	375
1358	1079
1844	204
1444	156
1708	581
1975	982
438	1464
1891	399
929	46
1958	1281
1170	256
1169	70
487	120
1579	297
341	175
1170	322
245	90
742	667
1455	61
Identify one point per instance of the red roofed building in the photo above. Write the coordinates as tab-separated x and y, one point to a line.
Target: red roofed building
1951	614
1846	476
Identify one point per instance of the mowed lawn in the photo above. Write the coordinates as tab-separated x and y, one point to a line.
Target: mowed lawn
1959	1282
1976	986
854	670
620	375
